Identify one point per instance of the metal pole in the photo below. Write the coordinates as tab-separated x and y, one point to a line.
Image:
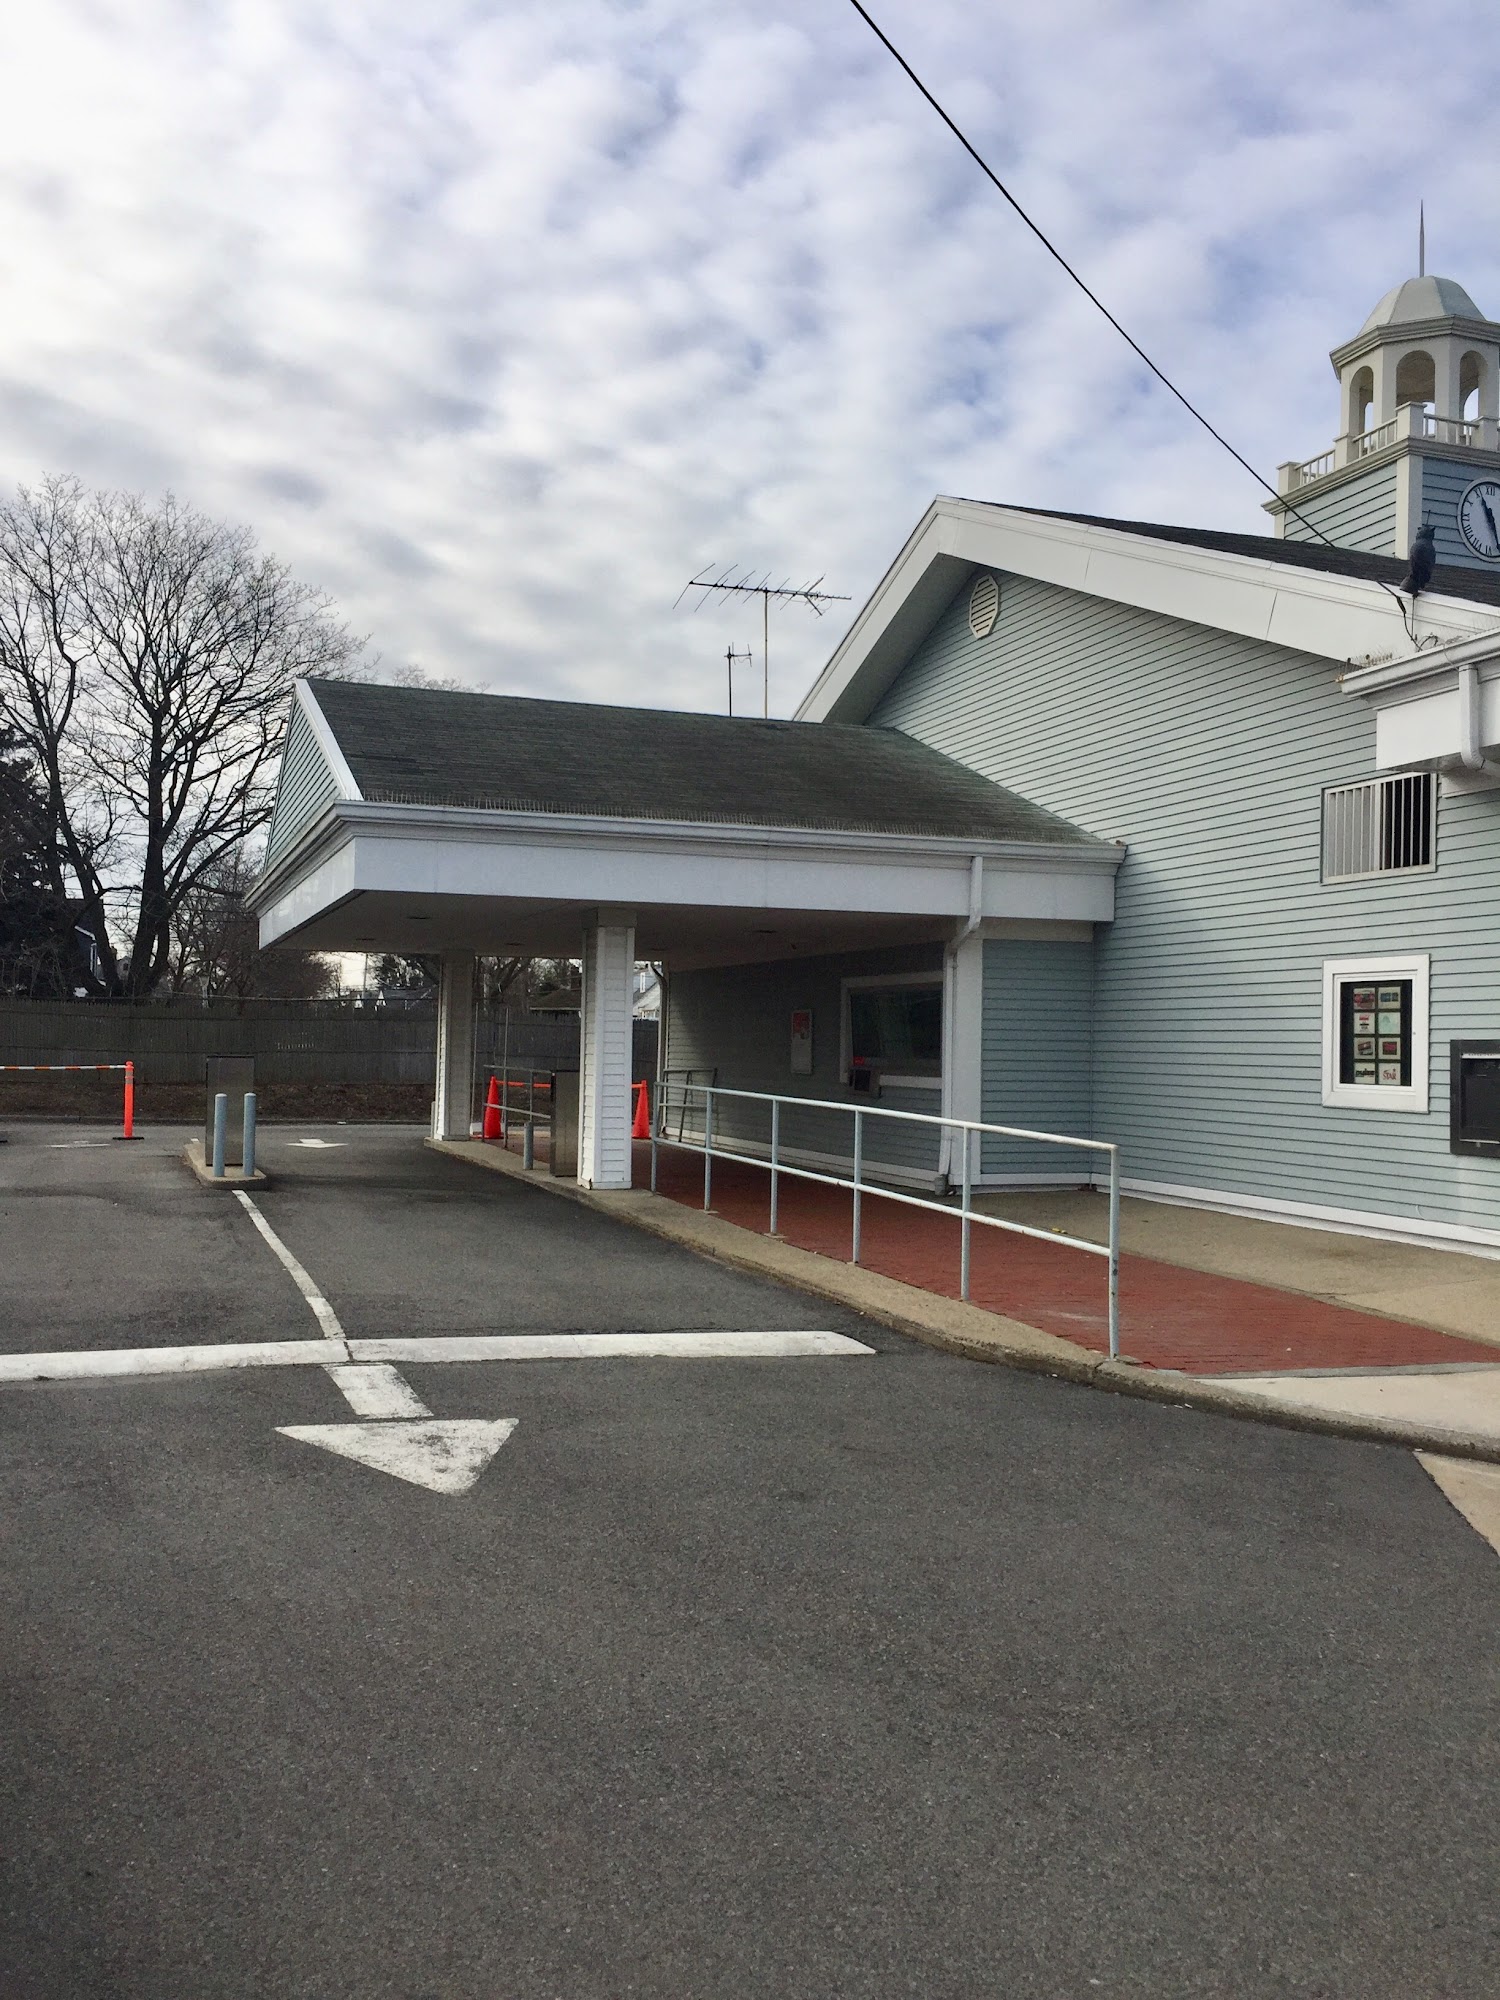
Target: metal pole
528	1145
859	1156
1114	1253
708	1145
765	645
775	1163
221	1132
247	1161
966	1227
656	1124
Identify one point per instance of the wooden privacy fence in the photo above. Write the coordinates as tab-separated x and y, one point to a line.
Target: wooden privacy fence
291	1041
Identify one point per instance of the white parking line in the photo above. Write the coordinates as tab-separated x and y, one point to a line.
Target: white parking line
607	1346
86	1364
324	1313
376	1390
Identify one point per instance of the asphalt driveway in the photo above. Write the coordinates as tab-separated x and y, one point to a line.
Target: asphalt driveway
875	1675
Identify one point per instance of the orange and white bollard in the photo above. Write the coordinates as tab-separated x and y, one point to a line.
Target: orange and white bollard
129	1131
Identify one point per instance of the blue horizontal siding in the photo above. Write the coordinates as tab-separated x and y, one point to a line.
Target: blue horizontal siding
1206	753
1359	513
1037	1053
737	1019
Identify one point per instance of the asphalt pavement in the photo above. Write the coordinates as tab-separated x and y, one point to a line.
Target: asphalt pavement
869	1676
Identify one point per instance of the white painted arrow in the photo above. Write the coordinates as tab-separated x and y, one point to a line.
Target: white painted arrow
327	1145
446	1455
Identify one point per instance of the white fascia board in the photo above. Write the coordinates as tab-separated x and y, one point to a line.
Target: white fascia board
337	763
442	851
1418	721
1307	611
314	893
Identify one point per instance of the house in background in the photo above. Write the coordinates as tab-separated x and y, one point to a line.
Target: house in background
1182	839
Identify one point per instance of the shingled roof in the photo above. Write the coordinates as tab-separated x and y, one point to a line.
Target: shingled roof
429	746
1448	579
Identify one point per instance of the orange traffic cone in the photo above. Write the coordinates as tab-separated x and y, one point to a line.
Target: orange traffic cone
491	1126
641	1129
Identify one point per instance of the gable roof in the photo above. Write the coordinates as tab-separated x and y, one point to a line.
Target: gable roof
508	753
1337	604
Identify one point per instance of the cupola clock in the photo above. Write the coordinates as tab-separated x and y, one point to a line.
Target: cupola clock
1479	518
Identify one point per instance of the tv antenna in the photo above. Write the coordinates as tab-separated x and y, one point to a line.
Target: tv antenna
810	594
730	656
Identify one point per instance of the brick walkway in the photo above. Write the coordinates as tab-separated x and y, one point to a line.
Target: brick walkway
1170	1317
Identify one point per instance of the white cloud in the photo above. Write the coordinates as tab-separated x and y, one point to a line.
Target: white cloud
499	321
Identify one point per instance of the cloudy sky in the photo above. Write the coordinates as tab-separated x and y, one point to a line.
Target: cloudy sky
497	319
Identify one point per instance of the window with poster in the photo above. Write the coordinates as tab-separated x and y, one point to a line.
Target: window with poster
1375	1039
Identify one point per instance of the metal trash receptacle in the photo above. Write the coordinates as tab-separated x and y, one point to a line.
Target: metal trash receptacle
234	1075
563	1152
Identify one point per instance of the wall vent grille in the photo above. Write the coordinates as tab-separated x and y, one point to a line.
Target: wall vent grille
1381	827
984	606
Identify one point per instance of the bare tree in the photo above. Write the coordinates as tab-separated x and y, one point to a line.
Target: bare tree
216	945
145	656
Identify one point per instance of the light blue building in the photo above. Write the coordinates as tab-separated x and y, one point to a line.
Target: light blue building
1181	839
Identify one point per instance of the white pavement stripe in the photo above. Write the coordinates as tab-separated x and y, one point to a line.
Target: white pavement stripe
446	1455
607	1346
378	1391
84	1364
81	1364
326	1317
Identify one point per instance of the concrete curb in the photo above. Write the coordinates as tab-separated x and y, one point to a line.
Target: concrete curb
956	1328
192	1154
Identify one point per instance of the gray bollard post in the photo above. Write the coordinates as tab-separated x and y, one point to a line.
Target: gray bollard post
221	1132
247	1164
528	1146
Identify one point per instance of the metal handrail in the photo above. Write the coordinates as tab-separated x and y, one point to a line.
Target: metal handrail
860	1187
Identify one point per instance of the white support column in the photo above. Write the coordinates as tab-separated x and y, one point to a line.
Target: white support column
963	1025
604	1107
453	1101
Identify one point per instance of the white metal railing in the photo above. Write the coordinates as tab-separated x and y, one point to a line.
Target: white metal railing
712	1095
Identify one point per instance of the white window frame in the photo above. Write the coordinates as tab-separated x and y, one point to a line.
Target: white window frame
864	983
1337	972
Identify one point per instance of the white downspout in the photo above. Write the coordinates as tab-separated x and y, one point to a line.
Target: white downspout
1470	738
950	1002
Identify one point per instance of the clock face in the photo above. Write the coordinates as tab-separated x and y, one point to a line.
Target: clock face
1479	518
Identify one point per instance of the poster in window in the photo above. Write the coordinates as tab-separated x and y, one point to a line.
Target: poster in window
802	1041
1374	1034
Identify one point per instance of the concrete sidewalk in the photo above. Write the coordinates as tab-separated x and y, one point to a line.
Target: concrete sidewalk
1464	1422
1452	1291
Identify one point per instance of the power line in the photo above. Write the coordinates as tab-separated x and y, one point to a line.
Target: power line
1093	297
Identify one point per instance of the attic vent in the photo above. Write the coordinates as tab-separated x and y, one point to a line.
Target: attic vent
984	606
